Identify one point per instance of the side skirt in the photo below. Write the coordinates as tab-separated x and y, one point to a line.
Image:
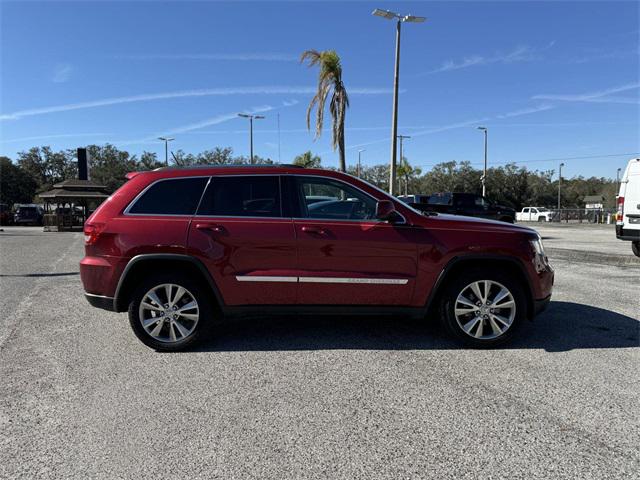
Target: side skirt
350	310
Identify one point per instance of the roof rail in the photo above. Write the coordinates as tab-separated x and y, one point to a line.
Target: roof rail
230	165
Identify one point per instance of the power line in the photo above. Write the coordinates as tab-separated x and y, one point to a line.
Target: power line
542	159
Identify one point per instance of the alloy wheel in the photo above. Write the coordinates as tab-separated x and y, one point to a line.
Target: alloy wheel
485	309
169	313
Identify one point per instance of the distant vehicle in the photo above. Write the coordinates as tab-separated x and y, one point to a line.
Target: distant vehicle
5	214
628	215
28	215
535	214
411	199
467	204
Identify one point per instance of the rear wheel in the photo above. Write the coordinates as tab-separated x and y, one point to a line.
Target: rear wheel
635	247
169	312
483	308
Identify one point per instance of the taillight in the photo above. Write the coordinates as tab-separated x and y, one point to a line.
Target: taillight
92	232
620	212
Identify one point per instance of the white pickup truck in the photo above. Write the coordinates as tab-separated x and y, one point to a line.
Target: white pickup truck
534	214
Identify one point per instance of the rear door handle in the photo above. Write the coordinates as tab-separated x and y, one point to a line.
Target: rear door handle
313	229
210	227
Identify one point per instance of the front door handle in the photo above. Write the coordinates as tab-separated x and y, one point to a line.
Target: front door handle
313	229
210	227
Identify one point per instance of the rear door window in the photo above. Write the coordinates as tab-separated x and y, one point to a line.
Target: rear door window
175	196
242	196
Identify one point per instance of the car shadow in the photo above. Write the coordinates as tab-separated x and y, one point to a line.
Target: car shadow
563	326
37	275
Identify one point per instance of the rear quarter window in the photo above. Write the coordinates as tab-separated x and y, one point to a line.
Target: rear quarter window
176	196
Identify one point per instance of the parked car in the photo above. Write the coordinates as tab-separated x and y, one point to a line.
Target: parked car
6	218
28	215
535	214
180	247
411	199
628	214
467	204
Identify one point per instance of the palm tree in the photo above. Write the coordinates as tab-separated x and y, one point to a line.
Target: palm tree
330	78
308	160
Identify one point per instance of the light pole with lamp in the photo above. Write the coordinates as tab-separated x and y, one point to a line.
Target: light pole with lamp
396	79
251	117
618	180
484	172
166	141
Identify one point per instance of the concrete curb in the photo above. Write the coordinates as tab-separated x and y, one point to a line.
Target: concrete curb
583	256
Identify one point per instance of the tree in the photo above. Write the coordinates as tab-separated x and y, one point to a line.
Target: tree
308	160
407	173
16	185
47	167
329	82
108	165
149	161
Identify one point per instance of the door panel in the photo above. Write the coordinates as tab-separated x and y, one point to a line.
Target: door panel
240	235
251	260
345	255
344	263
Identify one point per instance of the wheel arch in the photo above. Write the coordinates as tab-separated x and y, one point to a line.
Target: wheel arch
146	264
502	262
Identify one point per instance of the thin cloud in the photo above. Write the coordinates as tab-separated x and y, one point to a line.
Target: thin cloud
52	137
241	57
600	96
261	90
525	111
62	73
522	53
599	56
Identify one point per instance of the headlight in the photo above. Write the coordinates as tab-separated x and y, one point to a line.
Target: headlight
537	246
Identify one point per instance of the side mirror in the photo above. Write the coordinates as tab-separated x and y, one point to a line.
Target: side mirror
385	210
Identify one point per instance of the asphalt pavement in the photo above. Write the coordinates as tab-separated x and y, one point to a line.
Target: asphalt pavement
328	397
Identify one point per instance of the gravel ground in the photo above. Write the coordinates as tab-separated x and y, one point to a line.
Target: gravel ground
317	397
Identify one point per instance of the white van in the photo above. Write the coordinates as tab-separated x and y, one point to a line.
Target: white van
628	215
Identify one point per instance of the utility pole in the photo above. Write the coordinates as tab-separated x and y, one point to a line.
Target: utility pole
406	177
559	185
484	174
396	82
279	159
251	117
618	181
359	167
166	141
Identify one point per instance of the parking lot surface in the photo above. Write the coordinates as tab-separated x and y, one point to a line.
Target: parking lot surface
324	397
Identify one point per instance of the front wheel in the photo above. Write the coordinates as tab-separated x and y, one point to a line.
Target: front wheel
169	312
635	248
483	308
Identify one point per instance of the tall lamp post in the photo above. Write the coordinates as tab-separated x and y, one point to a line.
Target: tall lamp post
406	185
166	141
251	117
484	173
559	185
396	80
360	168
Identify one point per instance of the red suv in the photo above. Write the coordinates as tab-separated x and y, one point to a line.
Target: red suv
177	247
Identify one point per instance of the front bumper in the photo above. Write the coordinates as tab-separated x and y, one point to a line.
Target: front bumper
627	234
99	301
541	305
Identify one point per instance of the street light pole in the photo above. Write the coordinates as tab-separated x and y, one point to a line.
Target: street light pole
559	185
166	141
251	117
402	137
484	173
396	81
359	168
618	180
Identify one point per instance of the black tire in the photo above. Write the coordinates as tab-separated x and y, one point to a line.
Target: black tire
635	248
541	219
193	288
457	285
507	219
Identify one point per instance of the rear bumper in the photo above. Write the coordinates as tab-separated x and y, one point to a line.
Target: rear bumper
627	234
98	301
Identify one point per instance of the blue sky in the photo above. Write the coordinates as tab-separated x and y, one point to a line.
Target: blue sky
551	80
